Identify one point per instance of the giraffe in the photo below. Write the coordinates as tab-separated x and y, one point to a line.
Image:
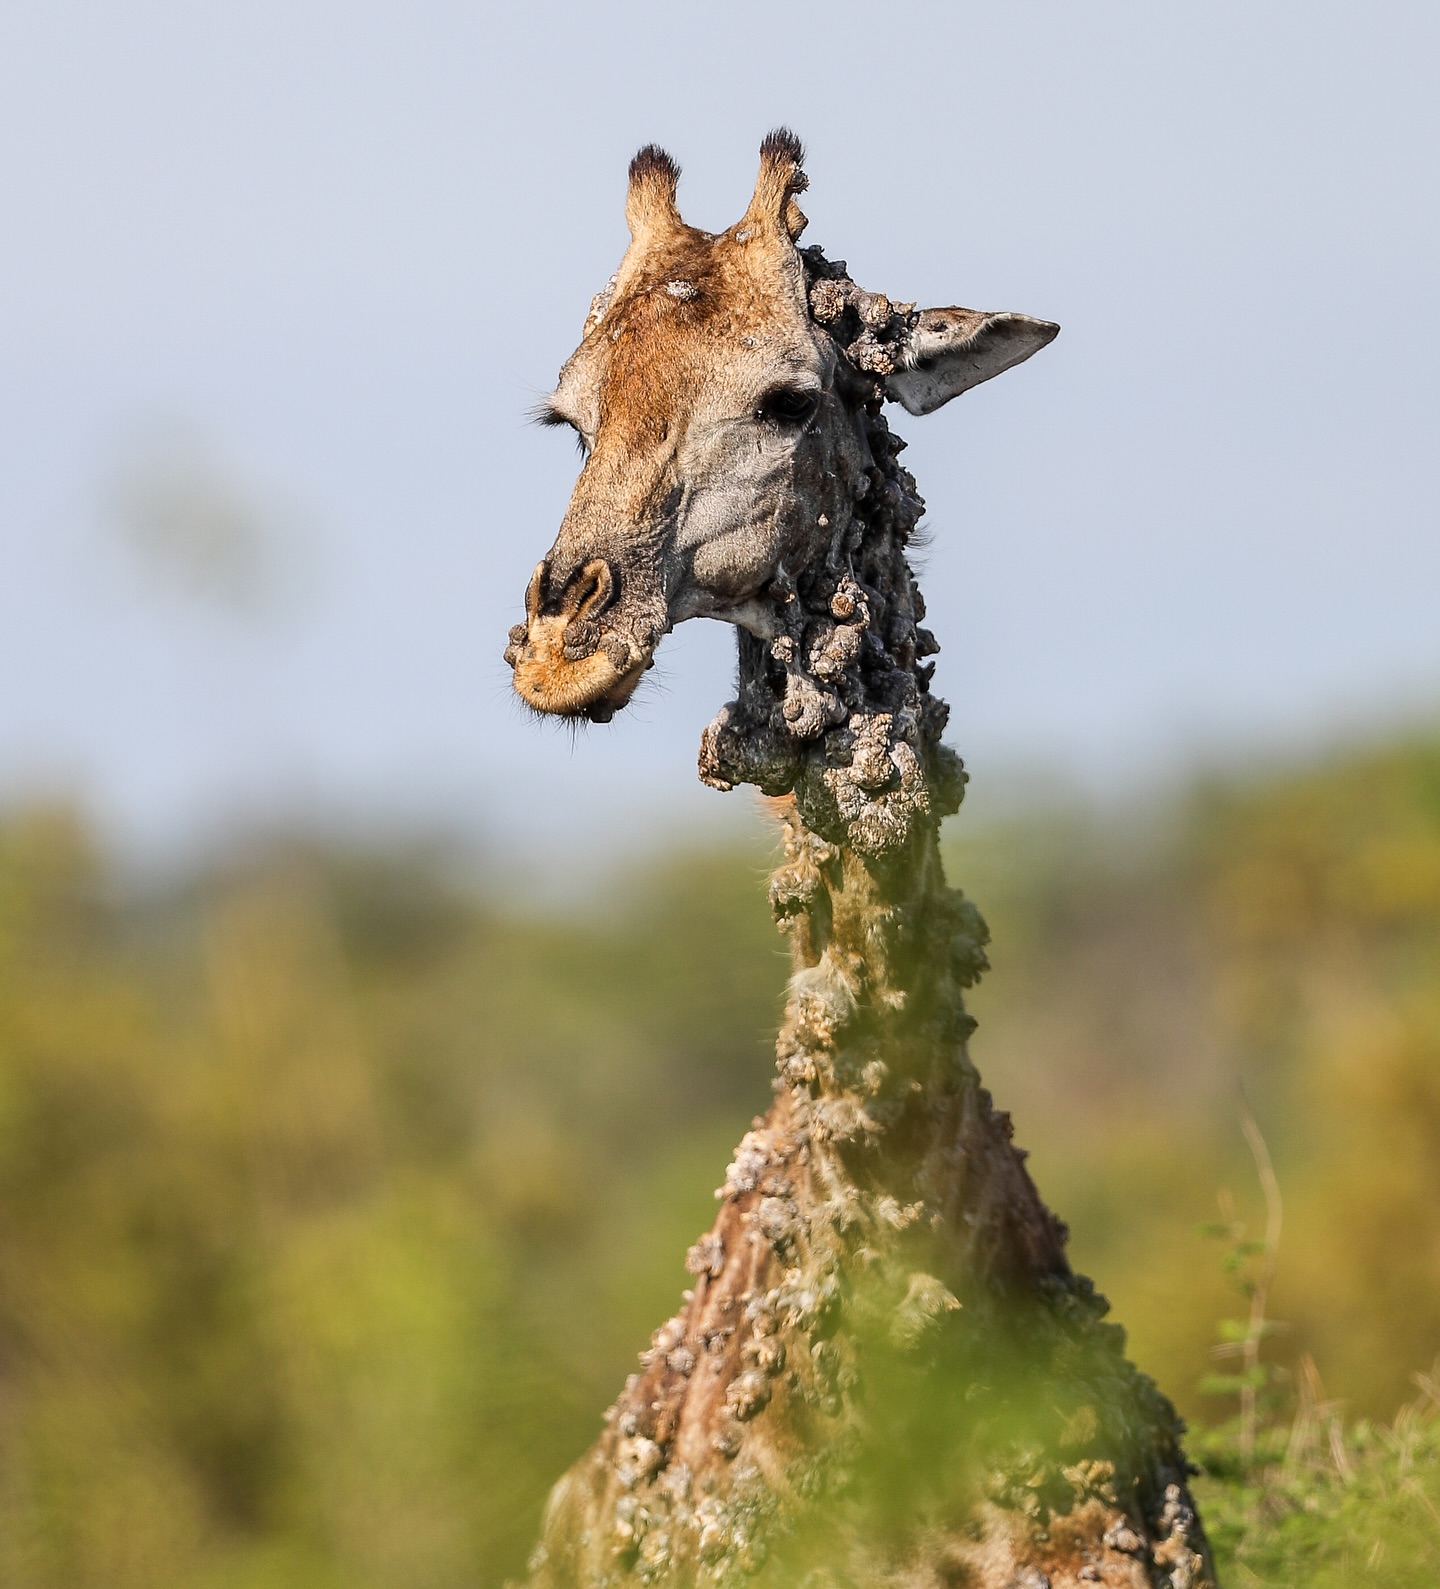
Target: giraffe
886	1371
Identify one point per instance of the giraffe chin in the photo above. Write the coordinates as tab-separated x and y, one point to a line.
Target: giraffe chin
589	687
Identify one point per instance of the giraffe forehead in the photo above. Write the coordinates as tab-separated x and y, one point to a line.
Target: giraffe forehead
693	327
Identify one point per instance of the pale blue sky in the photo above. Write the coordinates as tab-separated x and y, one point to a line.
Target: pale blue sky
319	259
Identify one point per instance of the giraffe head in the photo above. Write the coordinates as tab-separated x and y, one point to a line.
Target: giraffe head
719	393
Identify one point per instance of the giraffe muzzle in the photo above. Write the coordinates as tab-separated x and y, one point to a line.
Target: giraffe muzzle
568	660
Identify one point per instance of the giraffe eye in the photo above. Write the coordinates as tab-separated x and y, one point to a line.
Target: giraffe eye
788	405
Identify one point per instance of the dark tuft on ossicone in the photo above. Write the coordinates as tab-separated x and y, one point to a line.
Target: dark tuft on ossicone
782	144
653	161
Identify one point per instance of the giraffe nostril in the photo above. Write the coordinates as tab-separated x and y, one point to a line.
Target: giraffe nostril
591	589
536	590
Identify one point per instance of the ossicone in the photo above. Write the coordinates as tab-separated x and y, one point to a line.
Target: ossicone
650	207
773	206
780	146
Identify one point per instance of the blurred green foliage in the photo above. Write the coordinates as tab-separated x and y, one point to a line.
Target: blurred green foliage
337	1191
1327	1504
1283	932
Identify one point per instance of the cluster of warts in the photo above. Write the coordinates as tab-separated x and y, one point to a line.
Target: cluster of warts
836	706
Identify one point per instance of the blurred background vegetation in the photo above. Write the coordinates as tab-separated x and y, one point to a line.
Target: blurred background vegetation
339	1189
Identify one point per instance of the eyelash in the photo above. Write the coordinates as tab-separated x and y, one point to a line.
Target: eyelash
553	419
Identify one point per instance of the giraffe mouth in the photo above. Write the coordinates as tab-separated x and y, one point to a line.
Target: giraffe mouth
566	662
551	678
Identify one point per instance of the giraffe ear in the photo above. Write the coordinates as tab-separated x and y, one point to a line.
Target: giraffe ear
951	350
